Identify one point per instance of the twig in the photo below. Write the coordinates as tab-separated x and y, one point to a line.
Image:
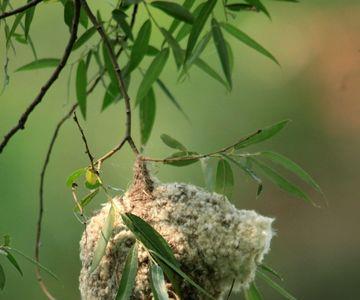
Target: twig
20	9
120	81
51	80
91	157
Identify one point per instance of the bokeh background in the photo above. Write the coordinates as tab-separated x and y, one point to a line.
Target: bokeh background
317	86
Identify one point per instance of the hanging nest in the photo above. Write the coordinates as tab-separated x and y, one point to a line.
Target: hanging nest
214	242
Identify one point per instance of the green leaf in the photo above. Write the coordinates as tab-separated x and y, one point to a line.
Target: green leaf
13	261
261	135
81	83
68	13
181	162
181	273
291	166
84	38
175	10
111	95
152	73
74	176
2	278
120	17
281	182
147	110
172	143
7	240
210	71
102	242
222	50
224	178
247	40
252	293
186	28
174	45
152	51
40	64
86	200
175	23
128	275
29	15
198	26
157	282
140	46
271	271
109	67
259	6
83	19
14	27
275	286
240	7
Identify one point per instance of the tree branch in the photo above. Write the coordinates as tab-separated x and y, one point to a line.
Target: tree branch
20	9
51	80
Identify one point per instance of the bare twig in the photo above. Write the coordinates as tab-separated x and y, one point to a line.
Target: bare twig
91	157
51	80
20	9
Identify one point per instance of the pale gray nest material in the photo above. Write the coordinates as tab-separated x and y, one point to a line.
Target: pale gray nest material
214	242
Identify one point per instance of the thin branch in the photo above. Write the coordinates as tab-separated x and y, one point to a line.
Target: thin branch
51	80
119	77
20	9
91	157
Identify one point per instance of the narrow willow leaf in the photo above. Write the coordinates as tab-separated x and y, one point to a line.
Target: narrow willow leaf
29	15
157	282
170	96
198	26
152	51
224	178
172	143
152	73
102	242
259	6
84	38
147	110
210	71
81	83
186	28
182	162
291	166
83	19
2	278
275	286
222	50
261	135
120	18
175	47
40	64
247	40
74	175
109	67
252	293
128	275
181	273
175	10
86	200
13	261
270	270
140	46
14	27
175	23
281	182
111	95
240	7
68	13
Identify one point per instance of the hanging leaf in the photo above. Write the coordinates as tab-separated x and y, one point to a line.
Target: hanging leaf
13	261
152	51
147	110
252	293
68	13
102	242
210	71
2	278
84	38
157	282
187	159
174	45
109	67
261	135
128	275
220	44
140	46
259	6
83	19
81	83
199	25
111	95
175	23
240	7
275	286
86	200
247	40
172	143
175	10
120	17
14	27
152	73
271	271
291	166
29	15
281	182
74	176
224	178
40	64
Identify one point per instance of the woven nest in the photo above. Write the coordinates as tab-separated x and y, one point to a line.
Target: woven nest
214	242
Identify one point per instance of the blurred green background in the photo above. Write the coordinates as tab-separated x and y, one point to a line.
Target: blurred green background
317	86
